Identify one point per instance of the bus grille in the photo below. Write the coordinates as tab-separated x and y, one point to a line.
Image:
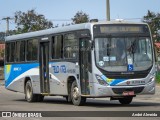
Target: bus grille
121	90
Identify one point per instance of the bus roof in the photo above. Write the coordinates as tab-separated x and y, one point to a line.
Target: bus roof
63	29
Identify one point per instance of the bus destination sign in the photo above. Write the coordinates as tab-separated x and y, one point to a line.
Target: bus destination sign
105	29
113	29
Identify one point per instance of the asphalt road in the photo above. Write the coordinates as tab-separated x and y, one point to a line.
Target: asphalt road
12	101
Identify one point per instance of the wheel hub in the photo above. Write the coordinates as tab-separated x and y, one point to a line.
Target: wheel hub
75	93
28	92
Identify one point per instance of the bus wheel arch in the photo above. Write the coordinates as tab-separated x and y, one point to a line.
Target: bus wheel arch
30	97
25	81
28	91
70	80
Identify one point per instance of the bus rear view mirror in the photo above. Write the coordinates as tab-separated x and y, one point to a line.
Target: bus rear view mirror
91	44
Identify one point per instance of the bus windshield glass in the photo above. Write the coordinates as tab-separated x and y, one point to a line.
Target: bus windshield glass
117	53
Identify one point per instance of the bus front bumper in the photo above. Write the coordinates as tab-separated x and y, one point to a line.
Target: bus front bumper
110	91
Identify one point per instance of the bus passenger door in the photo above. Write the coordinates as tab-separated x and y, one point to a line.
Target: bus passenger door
85	65
44	67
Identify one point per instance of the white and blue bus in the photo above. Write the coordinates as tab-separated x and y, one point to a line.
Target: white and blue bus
103	59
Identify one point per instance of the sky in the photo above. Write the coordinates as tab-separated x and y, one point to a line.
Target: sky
61	11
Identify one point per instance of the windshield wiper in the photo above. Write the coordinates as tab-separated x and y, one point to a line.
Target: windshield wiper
133	48
108	50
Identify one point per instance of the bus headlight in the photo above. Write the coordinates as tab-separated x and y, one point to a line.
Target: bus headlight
151	79
101	80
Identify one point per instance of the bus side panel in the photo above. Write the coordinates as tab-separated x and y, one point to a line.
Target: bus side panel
35	79
59	73
15	75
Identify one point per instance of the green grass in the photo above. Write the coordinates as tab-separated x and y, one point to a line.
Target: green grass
158	77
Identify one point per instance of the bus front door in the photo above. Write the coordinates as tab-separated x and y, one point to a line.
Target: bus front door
44	67
85	65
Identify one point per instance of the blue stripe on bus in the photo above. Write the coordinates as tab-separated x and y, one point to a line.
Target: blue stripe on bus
116	81
14	70
112	82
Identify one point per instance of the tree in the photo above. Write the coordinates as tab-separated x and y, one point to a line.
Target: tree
2	36
80	17
154	22
31	21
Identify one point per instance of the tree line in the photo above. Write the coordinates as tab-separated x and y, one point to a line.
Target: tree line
153	19
32	21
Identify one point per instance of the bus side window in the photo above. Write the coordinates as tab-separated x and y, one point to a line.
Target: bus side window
57	47
7	53
20	51
10	53
70	46
32	50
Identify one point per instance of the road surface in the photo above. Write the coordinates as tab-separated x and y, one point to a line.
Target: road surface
13	101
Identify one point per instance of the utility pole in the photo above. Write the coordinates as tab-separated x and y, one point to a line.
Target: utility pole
7	23
108	10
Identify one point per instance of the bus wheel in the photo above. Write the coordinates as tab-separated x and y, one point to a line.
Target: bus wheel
125	100
40	98
30	97
77	99
68	99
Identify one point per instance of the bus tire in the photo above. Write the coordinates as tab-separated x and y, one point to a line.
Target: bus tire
125	100
76	98
30	97
40	98
68	99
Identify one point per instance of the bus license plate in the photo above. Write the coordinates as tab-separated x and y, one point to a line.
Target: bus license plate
128	93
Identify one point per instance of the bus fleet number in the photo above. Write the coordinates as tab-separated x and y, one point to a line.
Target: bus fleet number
59	69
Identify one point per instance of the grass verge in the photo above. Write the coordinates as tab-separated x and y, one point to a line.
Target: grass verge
158	78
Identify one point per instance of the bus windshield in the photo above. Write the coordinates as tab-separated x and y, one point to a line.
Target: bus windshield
116	53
